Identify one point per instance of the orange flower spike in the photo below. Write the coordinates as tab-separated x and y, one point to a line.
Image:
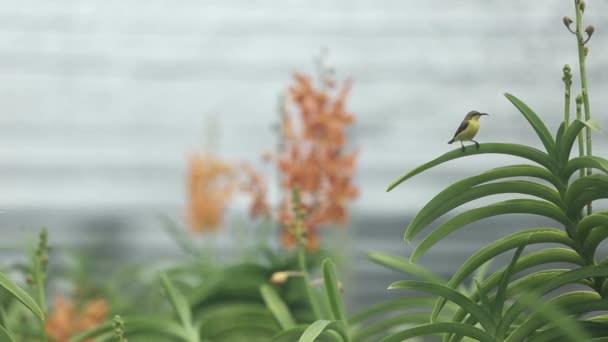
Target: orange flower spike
211	184
60	320
65	321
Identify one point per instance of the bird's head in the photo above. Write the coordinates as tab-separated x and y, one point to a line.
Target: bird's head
474	115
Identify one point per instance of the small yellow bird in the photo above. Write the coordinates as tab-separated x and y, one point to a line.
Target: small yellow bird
468	129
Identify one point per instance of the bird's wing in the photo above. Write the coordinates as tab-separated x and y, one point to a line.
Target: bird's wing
462	127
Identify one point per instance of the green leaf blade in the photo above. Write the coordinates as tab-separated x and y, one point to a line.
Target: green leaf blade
318	327
21	296
439	328
537	124
278	307
452	295
516	206
334	297
178	301
516	150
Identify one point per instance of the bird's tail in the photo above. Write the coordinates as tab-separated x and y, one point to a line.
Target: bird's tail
451	141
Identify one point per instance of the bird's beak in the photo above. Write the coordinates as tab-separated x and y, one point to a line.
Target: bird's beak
480	114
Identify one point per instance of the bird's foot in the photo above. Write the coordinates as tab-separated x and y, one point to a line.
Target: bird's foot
477	145
462	148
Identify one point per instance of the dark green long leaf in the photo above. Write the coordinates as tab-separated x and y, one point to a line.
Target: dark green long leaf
277	306
517	150
405	266
22	296
391	306
315	329
553	284
518	286
5	336
439	328
572	303
389	323
593	241
334	297
529	236
583	198
499	302
482	316
442	204
483	296
522	170
565	146
589	222
579	186
178	301
595	330
586	162
516	206
541	130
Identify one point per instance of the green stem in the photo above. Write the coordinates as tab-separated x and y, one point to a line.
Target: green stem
585	90
581	144
312	298
40	259
567	86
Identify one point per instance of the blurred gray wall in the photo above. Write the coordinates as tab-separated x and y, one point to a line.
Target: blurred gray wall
101	102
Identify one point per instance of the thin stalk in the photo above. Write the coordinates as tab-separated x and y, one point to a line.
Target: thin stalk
583	71
567	86
40	260
312	298
581	144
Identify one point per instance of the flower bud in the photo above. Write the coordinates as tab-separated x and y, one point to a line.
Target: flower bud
586	51
589	30
582	5
281	277
278	278
567	21
567	78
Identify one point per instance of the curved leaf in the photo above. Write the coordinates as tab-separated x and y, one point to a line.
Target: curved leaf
277	306
593	241
584	227
545	256
541	130
559	136
334	297
597	331
516	206
178	301
315	329
439	328
529	236
586	162
22	296
579	186
501	295
389	323
294	334
392	305
583	198
405	266
516	150
523	170
569	137
440	205
553	284
481	315
148	326
572	303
